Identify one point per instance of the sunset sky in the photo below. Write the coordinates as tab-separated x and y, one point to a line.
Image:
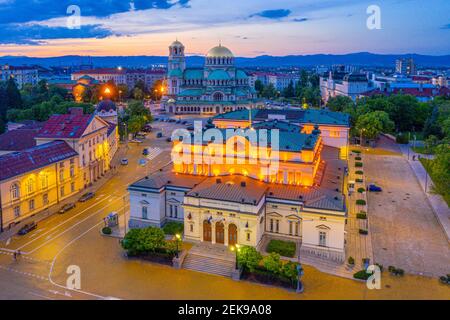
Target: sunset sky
247	27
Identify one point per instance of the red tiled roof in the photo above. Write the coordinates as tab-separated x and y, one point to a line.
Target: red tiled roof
101	71
17	163
65	126
18	140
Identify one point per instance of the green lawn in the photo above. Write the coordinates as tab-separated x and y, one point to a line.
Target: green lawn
445	195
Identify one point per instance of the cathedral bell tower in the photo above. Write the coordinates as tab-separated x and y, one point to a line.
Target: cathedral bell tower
176	67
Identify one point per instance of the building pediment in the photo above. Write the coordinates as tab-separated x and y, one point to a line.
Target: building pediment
173	200
274	214
293	216
323	227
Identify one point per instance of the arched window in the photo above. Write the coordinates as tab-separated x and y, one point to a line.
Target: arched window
218	96
30	185
15	191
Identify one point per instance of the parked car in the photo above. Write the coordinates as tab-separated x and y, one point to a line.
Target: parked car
178	121
374	188
136	141
147	128
159	135
87	196
169	139
27	228
66	208
184	122
172	120
124	161
142	162
145	152
190	128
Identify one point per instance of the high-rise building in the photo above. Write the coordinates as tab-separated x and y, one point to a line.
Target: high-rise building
405	66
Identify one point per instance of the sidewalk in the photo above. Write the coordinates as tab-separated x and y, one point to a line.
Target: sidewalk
440	208
44	214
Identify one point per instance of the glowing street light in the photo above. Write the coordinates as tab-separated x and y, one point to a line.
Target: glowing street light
177	239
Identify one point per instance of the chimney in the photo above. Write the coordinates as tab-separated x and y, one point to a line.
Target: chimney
76	111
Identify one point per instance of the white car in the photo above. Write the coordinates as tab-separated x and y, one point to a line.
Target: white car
124	161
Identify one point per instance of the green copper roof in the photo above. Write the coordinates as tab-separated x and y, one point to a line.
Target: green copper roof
240	74
193	74
288	141
175	73
241	92
219	75
277	124
313	116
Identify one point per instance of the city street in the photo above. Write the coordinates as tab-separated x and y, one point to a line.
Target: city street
73	239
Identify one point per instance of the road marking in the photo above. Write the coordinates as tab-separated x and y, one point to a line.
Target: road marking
29	274
60	224
60	251
72	226
153	153
11	252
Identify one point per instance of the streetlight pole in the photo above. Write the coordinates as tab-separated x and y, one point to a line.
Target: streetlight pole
177	238
124	215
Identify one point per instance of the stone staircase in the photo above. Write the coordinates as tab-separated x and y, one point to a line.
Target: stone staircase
213	259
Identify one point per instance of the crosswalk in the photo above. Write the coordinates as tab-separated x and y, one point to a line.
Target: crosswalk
153	153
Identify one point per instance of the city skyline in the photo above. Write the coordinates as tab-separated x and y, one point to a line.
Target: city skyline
250	28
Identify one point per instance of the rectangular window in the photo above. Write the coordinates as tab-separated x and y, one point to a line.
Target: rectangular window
72	171
176	211
322	239
297	228
61	175
72	187
271	225
290	228
277	226
17	211
170	211
144	212
45	199
62	191
248	236
191	228
31	205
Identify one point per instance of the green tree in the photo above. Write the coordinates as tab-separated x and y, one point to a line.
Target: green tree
273	263
289	91
138	94
373	123
339	103
145	240
13	94
269	91
249	258
289	271
135	124
259	87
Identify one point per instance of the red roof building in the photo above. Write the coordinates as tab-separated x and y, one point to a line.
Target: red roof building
18	163
66	126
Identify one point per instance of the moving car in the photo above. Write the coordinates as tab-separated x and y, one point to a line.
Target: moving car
66	208
159	135
27	228
85	197
145	152
169	139
124	161
374	188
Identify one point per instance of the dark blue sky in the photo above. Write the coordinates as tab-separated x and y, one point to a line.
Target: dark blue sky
248	27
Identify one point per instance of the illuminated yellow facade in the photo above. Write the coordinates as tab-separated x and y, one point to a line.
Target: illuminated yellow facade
37	190
238	156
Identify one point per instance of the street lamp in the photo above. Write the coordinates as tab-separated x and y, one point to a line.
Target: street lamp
236	249
177	238
299	275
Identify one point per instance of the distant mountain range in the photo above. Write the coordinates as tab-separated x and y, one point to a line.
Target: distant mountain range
361	58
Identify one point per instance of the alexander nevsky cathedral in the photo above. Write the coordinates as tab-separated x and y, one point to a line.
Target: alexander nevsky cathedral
215	88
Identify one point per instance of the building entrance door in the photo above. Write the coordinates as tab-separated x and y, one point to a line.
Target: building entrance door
220	236
206	231
232	235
